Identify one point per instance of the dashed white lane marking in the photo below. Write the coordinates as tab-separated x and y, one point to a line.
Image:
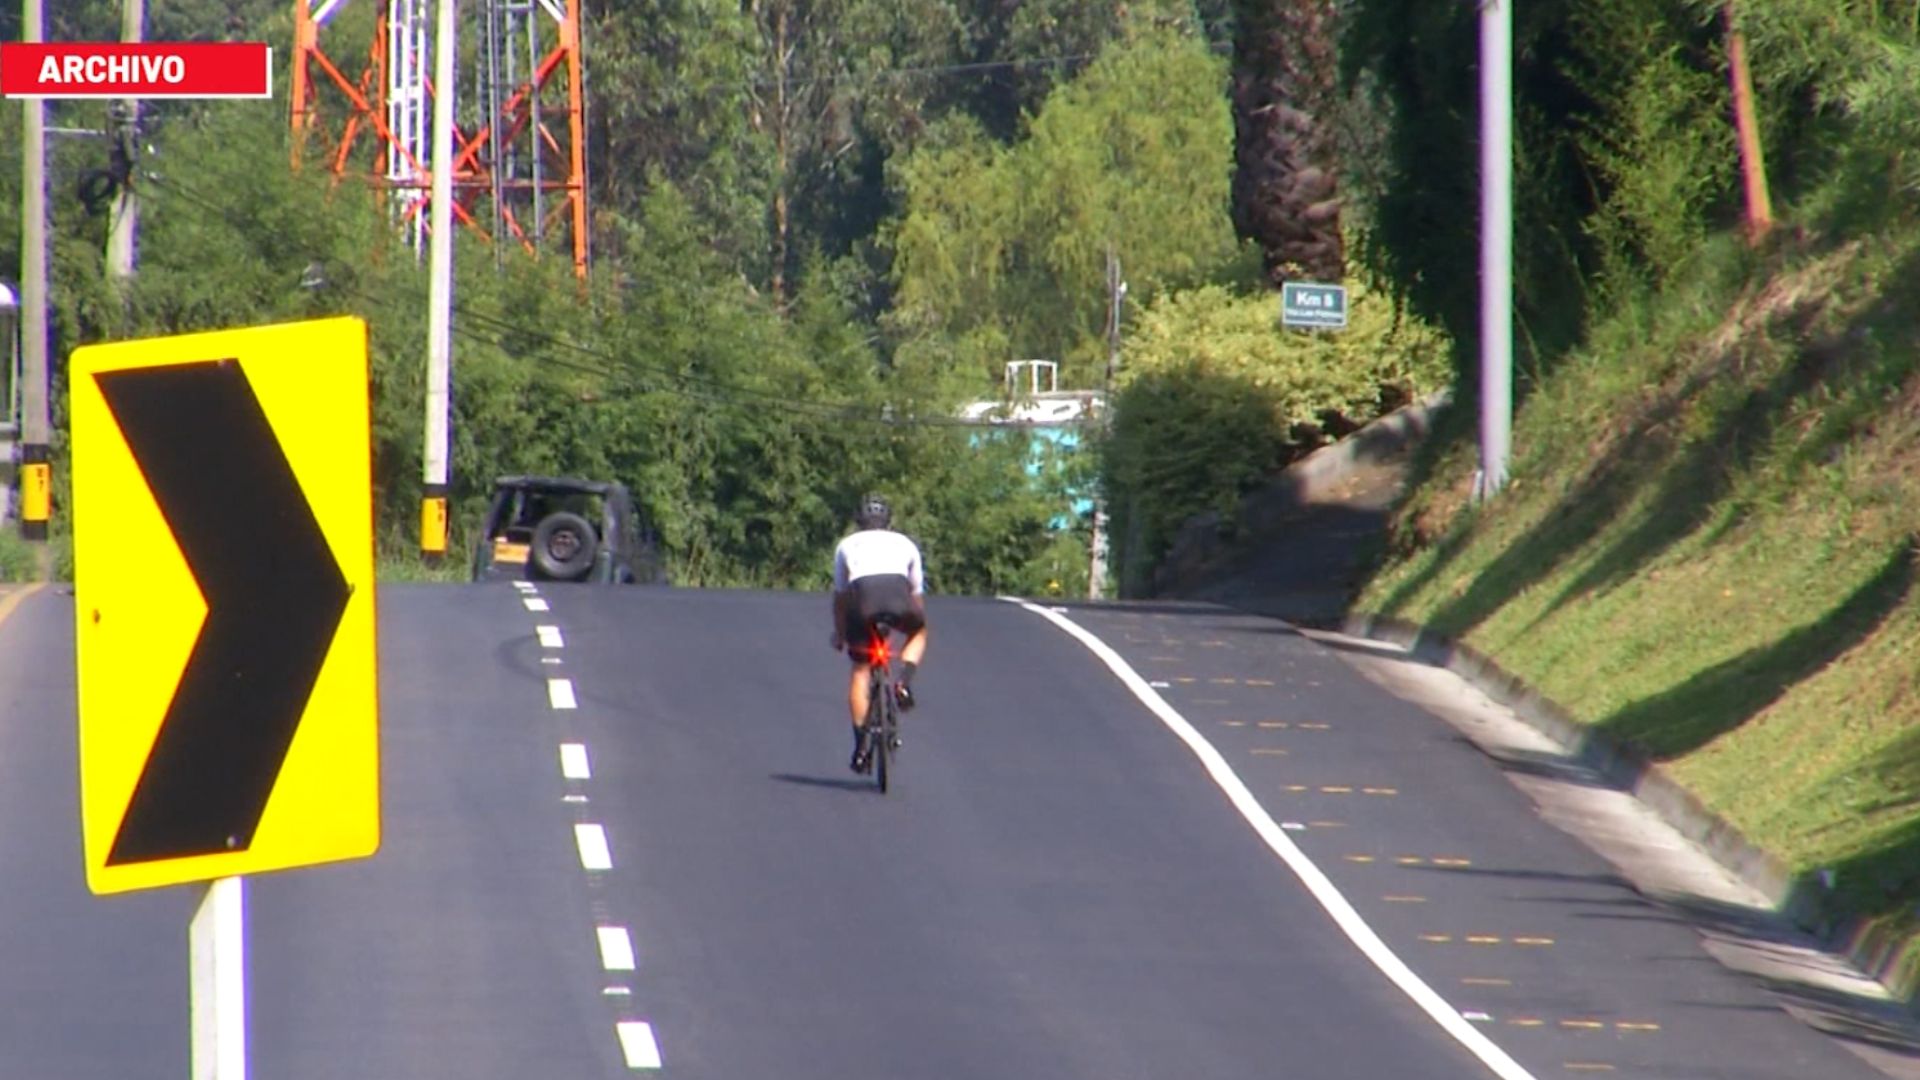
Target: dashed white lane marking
534	603
1310	875
526	586
1159	684
616	948
636	1041
592	841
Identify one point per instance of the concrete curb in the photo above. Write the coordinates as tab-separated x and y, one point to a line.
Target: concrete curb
1871	946
1388	437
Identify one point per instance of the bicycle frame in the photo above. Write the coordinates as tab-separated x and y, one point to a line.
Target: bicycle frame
883	717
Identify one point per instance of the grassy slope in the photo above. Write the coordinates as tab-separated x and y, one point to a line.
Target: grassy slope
1707	551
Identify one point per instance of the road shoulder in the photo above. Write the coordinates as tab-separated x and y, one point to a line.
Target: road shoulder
12	596
1737	922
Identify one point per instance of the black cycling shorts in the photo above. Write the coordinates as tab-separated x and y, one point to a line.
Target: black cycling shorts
871	597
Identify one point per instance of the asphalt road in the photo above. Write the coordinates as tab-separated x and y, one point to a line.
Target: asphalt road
631	840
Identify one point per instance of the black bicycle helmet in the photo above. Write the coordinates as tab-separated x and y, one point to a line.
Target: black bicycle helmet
874	513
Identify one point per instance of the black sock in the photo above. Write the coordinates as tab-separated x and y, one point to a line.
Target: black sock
907	668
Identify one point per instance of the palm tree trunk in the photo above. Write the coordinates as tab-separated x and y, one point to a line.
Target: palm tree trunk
1285	183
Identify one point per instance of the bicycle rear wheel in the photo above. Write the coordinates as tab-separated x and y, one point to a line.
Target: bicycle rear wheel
883	734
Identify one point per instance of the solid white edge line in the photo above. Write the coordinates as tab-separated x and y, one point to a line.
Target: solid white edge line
1310	875
560	694
534	603
549	637
573	761
616	948
636	1042
592	842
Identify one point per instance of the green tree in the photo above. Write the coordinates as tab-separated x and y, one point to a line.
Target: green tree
1215	396
838	86
1420	60
1000	253
670	89
1839	86
1661	143
1021	52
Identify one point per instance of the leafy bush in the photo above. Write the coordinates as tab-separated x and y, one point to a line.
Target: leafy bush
1001	251
16	558
1215	396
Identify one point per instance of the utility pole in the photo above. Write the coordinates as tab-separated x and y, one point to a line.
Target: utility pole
1496	244
1116	292
124	131
36	469
433	496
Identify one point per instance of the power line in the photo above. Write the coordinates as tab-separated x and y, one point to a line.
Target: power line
979	67
901	73
687	385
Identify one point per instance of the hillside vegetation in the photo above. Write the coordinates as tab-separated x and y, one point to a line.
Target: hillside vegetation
1706	550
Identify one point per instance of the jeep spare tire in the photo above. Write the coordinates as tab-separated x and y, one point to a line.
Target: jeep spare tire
563	546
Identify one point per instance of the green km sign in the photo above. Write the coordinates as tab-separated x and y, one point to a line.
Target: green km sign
1319	307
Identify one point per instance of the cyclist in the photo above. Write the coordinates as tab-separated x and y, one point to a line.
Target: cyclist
876	571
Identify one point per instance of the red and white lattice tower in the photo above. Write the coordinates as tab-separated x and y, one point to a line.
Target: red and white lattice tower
519	160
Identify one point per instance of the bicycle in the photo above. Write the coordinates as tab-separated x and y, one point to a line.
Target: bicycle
883	703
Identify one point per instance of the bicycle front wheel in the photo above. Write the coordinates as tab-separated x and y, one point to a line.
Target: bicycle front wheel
883	735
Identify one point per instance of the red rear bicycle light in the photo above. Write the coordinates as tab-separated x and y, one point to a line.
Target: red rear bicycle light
879	649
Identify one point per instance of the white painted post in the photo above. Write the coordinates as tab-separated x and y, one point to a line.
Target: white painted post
1496	243
217	948
433	499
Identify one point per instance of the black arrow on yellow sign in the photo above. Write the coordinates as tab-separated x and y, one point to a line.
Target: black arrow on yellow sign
274	597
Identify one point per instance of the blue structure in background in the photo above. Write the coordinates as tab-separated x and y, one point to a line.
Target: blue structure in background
1052	420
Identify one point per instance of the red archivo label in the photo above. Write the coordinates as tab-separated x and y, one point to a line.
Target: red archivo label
183	69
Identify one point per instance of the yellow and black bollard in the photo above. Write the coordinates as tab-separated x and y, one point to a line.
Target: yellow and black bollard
433	523
36	491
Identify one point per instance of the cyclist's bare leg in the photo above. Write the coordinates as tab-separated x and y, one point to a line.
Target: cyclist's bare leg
857	700
916	646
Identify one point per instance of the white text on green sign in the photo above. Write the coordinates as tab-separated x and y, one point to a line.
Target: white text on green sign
1322	307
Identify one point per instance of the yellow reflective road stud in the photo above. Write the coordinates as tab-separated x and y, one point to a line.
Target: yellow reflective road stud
224	602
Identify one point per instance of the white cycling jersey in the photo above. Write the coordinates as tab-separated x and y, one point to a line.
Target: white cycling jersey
877	551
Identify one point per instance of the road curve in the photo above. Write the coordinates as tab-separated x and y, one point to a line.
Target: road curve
620	838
